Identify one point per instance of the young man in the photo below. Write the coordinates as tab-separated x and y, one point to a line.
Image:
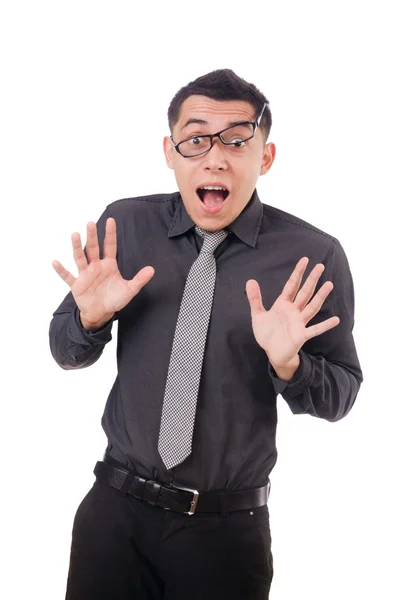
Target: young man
179	505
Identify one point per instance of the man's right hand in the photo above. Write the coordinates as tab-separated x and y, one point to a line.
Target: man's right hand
99	290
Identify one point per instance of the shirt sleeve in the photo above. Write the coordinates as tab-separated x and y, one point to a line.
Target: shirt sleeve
329	375
71	345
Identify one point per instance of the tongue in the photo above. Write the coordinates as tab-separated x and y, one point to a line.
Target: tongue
213	197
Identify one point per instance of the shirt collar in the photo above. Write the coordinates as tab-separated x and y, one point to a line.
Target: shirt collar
246	226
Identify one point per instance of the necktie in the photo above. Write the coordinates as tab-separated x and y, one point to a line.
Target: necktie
184	371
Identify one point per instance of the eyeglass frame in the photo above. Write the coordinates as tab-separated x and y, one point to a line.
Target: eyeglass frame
255	125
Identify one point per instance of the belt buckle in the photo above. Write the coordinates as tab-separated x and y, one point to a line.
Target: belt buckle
194	501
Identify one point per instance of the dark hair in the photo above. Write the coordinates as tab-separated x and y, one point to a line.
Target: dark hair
222	84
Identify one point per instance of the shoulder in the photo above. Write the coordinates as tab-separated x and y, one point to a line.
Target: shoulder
281	219
126	206
290	227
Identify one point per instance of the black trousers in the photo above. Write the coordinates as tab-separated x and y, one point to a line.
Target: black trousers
125	548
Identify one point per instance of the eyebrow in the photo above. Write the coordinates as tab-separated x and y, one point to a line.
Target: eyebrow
202	122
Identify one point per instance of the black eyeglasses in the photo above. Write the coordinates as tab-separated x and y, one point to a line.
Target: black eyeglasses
234	136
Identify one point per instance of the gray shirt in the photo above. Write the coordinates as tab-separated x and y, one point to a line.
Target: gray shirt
234	435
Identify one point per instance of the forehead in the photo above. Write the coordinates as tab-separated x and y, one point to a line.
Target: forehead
215	111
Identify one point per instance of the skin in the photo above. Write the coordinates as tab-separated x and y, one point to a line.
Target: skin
100	291
239	172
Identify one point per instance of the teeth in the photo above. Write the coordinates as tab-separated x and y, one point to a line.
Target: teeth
213	187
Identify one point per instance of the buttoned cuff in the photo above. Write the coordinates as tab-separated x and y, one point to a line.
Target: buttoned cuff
79	335
301	380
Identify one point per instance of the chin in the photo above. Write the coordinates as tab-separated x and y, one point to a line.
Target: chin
211	228
212	224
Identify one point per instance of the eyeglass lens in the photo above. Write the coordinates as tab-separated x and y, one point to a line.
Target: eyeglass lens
233	135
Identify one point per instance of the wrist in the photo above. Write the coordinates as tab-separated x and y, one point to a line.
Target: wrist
93	325
286	372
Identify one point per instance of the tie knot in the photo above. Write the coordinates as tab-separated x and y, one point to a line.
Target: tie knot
212	239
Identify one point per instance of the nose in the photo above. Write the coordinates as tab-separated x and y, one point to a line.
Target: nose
215	158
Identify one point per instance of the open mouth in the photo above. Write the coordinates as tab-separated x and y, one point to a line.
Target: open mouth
212	197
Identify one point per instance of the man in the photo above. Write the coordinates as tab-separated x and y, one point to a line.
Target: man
179	505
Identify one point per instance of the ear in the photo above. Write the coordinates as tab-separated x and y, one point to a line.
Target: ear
268	158
168	152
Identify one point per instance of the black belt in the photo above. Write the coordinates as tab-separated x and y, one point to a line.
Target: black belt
183	500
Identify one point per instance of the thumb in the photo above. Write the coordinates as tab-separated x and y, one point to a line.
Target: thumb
140	280
254	297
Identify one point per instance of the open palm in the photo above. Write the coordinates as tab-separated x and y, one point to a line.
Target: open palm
281	331
100	290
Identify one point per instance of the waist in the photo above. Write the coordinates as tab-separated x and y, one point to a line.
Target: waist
179	499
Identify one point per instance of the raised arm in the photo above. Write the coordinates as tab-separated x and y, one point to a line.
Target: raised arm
81	325
314	368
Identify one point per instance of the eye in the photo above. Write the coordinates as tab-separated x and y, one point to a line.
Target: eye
194	140
237	143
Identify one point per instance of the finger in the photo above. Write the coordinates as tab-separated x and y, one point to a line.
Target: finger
317	301
293	283
63	273
140	280
78	252
110	241
306	291
92	246
254	297
320	328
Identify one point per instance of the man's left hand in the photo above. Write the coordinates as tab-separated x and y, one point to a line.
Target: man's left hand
281	331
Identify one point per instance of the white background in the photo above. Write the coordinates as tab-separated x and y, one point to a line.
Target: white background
85	92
